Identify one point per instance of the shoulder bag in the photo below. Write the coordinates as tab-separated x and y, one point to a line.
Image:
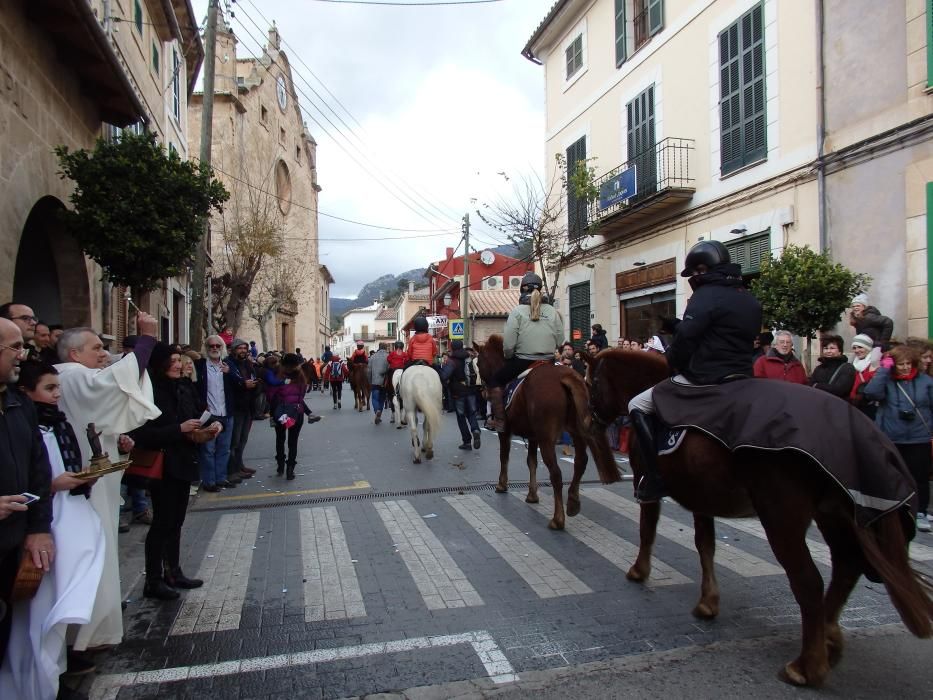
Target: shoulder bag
147	464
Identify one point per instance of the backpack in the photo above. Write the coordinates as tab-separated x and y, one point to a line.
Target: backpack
335	371
469	373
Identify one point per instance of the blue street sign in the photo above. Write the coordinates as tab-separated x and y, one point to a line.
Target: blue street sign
455	331
618	188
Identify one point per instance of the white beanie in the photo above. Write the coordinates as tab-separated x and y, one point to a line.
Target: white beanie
864	341
860	299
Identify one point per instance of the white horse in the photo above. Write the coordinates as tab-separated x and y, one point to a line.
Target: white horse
420	387
396	410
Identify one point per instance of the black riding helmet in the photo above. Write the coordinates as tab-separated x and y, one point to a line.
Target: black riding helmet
421	324
399	345
531	281
709	253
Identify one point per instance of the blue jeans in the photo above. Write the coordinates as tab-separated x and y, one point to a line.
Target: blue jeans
375	398
216	453
465	406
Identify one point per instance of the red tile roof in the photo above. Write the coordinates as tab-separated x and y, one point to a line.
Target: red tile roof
386	314
492	303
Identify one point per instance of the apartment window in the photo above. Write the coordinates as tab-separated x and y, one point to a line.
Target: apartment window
298	154
263	113
621	54
742	119
138	16
155	58
576	207
172	150
641	141
391	329
176	87
574	54
748	252
648	20
364	332
579	297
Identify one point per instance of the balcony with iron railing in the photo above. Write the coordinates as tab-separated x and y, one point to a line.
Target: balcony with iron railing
646	186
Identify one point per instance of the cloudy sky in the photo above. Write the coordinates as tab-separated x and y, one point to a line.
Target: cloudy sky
439	101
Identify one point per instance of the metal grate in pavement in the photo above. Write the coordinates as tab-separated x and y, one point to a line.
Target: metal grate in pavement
371	496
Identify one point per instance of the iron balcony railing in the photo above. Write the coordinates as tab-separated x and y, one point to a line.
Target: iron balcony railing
661	168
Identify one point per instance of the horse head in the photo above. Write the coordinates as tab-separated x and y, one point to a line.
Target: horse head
490	356
616	376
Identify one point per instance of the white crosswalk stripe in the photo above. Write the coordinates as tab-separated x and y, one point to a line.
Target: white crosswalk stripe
331	589
542	572
218	604
732	558
607	544
440	581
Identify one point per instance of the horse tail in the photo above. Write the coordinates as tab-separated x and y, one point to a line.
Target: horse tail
432	412
576	391
885	548
535	304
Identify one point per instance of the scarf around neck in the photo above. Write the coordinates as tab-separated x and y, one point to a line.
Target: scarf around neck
50	417
912	374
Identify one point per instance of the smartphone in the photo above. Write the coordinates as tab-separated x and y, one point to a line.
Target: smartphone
30	498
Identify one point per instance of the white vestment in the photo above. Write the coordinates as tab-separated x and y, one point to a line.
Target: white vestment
35	657
117	400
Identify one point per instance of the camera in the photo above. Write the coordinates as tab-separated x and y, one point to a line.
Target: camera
906	415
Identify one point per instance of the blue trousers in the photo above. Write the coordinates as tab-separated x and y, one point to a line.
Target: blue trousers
215	455
375	398
465	406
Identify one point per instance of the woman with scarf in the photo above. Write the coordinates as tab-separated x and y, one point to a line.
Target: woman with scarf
176	433
286	395
905	414
36	655
865	363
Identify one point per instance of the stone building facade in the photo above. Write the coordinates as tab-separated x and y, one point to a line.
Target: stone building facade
71	72
264	154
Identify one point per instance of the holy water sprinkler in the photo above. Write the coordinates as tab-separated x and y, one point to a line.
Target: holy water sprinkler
126	295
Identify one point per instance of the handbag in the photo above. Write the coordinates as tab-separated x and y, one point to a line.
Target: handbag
147	464
27	580
200	435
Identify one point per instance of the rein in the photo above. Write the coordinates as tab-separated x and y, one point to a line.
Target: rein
594	412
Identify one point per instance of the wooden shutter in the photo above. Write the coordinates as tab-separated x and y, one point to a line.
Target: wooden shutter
748	252
620	32
576	208
655	16
640	114
579	299
742	118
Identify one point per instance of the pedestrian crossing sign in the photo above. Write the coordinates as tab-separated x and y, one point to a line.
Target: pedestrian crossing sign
456	329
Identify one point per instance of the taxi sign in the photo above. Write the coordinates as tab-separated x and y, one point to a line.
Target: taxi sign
437	321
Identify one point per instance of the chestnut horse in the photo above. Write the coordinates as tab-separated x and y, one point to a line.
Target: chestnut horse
359	382
787	492
553	398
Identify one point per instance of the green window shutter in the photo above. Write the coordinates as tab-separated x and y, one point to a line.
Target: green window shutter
641	141
155	58
655	16
579	300
748	252
576	208
742	117
138	15
574	55
620	32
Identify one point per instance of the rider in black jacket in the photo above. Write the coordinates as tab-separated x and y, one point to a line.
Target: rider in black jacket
713	343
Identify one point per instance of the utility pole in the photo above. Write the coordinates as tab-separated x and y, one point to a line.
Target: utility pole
465	304
199	274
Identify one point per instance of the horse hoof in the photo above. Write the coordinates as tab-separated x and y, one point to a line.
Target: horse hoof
501	489
635	575
416	461
531	499
573	507
793	674
554	525
705	611
834	645
429	454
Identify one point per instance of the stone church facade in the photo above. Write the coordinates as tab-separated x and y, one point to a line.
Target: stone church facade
266	158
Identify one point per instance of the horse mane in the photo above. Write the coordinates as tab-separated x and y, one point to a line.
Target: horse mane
494	344
651	365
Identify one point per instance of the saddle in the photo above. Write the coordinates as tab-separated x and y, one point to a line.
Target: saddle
513	386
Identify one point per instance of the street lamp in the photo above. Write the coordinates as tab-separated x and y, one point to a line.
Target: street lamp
447	299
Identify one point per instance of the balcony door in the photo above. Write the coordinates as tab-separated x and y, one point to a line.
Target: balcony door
641	142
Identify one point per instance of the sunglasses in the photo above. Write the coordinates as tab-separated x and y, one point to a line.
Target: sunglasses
214	346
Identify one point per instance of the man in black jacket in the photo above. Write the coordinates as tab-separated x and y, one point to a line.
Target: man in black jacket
712	344
458	376
25	469
244	391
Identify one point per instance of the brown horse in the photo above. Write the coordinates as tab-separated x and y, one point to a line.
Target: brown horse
787	493
552	399
359	382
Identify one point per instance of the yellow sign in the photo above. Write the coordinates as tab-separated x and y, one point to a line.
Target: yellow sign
455	329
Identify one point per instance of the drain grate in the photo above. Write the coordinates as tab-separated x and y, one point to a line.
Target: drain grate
369	496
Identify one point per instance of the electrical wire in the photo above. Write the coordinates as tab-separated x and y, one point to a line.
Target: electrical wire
431	3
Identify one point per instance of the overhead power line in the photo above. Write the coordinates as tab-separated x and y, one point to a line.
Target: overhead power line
390	3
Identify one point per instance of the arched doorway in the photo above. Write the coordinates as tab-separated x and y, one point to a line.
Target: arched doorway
51	274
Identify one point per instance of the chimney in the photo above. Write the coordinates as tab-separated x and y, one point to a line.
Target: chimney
411	287
450	253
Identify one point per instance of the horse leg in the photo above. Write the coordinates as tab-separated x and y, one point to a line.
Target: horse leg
549	456
786	513
532	461
704	528
847	562
415	441
505	444
647	529
579	466
428	441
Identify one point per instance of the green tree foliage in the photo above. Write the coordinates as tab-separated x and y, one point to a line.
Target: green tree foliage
805	292
139	212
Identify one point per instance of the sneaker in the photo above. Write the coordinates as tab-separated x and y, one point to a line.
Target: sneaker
210	488
243	474
234	479
226	484
476	439
247	470
923	525
313	419
465	446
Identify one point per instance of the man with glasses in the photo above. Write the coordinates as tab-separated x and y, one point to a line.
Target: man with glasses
25	319
25	464
215	384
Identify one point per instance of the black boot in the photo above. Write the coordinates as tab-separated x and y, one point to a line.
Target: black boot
174	577
497	401
157	588
650	488
280	465
290	471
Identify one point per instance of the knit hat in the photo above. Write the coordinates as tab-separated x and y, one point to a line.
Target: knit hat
237	342
863	341
860	299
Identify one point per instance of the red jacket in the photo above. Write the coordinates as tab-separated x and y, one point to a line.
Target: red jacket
339	375
772	367
359	355
422	346
397	360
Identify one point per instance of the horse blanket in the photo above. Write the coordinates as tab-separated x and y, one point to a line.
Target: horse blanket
768	415
513	386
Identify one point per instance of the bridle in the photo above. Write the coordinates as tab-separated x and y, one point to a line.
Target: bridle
594	411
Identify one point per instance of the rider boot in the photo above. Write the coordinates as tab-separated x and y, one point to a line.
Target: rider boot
650	487
497	400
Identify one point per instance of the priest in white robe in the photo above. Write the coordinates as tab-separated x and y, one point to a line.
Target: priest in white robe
116	399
